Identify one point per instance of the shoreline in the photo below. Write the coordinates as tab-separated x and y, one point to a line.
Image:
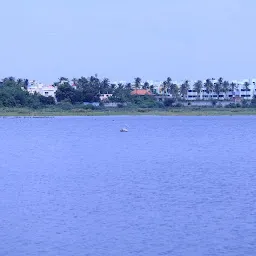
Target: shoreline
50	113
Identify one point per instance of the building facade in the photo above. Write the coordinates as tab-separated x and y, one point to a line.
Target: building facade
40	88
240	90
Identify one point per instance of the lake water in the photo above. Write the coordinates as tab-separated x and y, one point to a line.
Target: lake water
76	186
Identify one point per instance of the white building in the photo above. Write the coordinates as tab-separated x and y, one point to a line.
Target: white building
45	90
105	97
239	90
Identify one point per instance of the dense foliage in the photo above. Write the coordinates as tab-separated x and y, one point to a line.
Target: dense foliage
13	93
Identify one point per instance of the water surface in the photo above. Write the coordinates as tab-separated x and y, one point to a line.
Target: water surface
170	186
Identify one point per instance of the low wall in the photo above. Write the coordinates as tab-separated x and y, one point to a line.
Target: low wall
206	103
114	104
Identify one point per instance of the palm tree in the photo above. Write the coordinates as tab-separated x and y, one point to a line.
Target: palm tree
233	86
220	80
246	86
128	86
174	89
137	83
19	81
151	87
83	83
226	88
11	79
217	88
164	87
208	86
120	86
184	89
145	86
168	83
26	82
105	84
63	79
113	87
198	85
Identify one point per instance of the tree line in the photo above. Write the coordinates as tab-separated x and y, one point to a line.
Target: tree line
13	92
89	89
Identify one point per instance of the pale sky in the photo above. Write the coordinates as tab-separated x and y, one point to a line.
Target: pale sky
183	39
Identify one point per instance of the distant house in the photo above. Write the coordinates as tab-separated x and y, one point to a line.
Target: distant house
141	92
105	97
74	86
48	91
45	90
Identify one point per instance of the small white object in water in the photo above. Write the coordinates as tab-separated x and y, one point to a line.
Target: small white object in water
123	130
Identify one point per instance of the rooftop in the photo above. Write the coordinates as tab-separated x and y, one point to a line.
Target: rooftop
141	92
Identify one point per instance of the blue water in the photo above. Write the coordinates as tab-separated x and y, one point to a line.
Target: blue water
76	186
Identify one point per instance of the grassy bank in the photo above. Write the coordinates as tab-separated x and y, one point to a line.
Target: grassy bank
108	112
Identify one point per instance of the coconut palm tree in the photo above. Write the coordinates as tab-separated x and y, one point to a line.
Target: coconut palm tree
128	86
233	87
26	82
198	85
151	87
63	79
168	80
105	85
164	88
137	83
174	89
226	88
145	86
246	86
217	87
19	82
208	86
220	80
184	89
120	86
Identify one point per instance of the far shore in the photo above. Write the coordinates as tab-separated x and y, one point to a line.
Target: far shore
25	112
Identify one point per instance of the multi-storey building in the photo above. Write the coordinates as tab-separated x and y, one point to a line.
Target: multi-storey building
244	89
45	90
